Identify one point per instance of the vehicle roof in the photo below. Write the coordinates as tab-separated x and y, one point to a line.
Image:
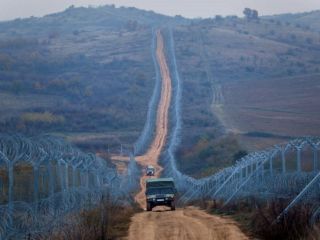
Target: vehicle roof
160	180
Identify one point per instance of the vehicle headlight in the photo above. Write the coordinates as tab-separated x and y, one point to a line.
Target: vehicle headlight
169	195
151	196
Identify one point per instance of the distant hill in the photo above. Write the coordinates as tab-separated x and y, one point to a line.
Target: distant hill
88	74
81	71
244	76
106	17
307	19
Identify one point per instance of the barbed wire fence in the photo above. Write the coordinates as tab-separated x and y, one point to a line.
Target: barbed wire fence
149	128
57	179
44	179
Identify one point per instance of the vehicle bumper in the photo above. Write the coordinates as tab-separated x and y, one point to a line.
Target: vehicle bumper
160	201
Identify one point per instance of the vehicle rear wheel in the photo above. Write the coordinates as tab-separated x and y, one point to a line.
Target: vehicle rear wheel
149	207
173	206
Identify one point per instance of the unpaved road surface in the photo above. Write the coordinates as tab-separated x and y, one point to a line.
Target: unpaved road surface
153	154
161	224
190	223
151	157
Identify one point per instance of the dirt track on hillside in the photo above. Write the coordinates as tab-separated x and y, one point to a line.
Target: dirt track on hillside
161	224
153	154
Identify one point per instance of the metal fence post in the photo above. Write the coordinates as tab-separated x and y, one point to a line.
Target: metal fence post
36	186
10	192
66	170
271	166
298	159
315	159
283	161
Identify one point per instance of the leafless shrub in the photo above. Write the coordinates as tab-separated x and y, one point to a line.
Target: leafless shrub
109	220
293	225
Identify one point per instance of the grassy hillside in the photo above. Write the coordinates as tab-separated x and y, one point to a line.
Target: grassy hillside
246	77
309	20
72	19
86	73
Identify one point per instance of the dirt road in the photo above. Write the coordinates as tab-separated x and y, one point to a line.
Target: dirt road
161	224
151	157
189	223
153	154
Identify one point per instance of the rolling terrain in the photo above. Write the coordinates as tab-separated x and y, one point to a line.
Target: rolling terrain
308	20
85	74
239	77
269	112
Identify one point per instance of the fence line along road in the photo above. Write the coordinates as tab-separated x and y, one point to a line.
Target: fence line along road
289	170
43	179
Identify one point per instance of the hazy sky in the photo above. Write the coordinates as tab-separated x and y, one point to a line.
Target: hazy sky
10	9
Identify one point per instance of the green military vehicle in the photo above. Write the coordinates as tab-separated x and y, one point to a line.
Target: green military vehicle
160	192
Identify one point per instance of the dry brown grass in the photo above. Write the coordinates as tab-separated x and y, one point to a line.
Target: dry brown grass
258	218
284	107
106	222
251	61
294	225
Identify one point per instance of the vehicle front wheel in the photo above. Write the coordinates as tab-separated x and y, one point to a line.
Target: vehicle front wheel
149	207
173	206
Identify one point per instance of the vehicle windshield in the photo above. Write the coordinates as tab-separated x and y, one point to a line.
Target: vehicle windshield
154	191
